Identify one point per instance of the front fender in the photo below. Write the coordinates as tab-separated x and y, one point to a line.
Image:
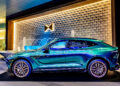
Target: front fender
10	62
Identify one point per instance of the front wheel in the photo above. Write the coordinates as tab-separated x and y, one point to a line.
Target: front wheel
97	68
21	68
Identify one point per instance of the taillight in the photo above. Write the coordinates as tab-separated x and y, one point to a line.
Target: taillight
115	51
115	54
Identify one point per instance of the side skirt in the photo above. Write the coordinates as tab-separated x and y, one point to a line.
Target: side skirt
59	70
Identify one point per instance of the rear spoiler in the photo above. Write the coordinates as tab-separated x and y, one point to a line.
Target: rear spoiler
6	53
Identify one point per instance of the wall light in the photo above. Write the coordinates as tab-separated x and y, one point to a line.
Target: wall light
2	34
14	37
2	20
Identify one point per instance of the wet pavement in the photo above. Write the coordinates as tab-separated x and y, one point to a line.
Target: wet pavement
57	79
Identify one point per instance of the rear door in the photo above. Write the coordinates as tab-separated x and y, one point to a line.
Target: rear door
78	53
74	54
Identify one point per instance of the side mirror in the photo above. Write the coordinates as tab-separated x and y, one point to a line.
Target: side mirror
46	50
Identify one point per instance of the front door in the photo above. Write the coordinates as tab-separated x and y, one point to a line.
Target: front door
55	57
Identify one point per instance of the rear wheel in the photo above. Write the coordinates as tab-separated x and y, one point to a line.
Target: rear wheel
97	68
21	68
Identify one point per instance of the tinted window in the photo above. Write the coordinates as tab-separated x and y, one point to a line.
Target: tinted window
89	43
59	45
75	44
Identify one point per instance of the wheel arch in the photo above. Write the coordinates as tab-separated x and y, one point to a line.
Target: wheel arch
107	62
21	59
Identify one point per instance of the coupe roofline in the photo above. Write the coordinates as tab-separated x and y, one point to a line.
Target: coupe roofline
75	38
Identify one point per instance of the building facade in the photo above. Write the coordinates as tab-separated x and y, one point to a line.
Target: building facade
71	18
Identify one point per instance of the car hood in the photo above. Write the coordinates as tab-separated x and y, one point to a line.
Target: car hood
14	54
25	53
6	53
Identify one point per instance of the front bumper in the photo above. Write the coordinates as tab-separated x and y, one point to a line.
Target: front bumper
7	62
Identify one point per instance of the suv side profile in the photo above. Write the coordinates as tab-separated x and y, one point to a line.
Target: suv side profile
91	55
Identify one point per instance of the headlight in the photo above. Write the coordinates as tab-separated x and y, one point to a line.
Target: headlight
9	56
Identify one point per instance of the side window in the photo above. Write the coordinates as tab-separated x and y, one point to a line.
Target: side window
76	44
59	45
90	44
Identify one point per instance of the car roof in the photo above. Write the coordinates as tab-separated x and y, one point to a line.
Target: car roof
85	39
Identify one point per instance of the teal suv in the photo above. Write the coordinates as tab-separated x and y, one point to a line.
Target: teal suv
90	55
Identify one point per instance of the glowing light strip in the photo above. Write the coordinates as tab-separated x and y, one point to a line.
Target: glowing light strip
2	34
2	37
2	20
2	31
14	37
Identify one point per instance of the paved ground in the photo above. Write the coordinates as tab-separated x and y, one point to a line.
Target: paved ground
58	79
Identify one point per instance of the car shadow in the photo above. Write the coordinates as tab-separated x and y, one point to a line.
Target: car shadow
62	77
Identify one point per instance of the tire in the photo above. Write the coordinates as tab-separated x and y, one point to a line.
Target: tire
97	68
21	68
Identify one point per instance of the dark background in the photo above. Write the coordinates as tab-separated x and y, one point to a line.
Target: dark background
117	24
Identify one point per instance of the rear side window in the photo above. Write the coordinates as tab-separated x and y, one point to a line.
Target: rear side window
90	44
77	44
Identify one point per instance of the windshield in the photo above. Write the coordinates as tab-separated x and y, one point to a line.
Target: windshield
45	46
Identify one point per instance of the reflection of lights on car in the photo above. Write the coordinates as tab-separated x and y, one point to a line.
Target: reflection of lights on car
91	55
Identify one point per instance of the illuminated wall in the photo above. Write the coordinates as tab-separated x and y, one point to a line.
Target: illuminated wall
88	21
